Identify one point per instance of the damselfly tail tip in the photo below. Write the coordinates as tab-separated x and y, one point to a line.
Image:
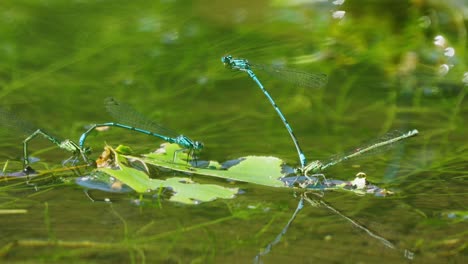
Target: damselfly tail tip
413	132
28	170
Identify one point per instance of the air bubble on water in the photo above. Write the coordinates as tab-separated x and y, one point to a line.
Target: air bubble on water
440	41
444	69
449	52
338	14
465	78
338	2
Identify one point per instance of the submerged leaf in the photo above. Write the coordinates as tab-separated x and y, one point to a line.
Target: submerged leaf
187	191
103	182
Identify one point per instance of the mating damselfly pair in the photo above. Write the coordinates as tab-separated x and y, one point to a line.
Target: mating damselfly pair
128	118
309	80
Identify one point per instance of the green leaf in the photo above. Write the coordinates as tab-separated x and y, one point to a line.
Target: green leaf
184	189
135	179
266	171
254	169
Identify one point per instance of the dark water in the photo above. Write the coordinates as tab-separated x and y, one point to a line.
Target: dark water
387	69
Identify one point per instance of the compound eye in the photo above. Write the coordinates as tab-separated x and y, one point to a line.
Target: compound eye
200	145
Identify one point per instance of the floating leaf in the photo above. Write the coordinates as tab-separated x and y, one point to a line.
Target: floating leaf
135	179
259	170
268	171
121	169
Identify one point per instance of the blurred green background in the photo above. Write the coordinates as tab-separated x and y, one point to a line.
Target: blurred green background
391	65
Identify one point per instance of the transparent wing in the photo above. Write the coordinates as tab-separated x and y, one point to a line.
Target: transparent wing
8	119
303	79
127	115
387	141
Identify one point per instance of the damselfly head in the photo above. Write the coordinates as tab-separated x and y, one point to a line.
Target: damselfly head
198	145
227	60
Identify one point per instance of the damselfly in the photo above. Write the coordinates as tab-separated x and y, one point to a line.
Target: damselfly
9	119
130	119
388	140
298	77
